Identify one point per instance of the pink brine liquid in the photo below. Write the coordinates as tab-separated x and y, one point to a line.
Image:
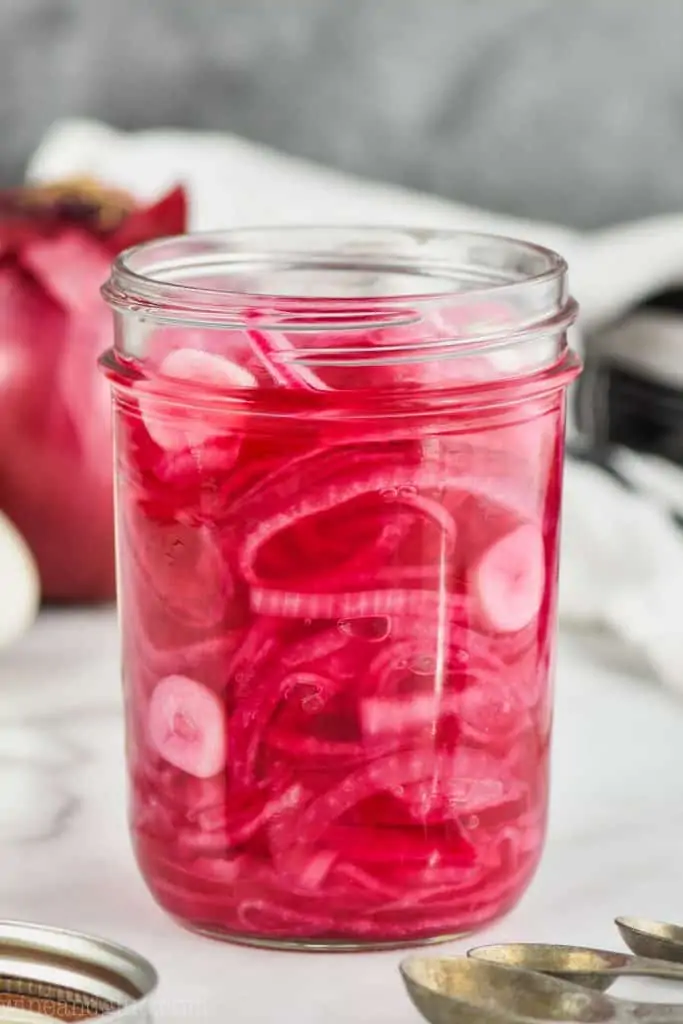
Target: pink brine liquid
338	649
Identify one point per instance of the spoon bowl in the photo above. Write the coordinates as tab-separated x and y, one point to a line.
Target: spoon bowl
460	990
655	939
592	968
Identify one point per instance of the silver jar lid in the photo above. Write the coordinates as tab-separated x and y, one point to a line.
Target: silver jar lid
54	973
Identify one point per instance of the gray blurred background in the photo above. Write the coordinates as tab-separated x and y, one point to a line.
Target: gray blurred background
571	111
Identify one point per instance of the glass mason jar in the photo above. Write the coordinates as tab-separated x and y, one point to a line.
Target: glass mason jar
339	463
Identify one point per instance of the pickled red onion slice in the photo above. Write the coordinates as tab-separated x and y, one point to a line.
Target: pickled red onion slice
509	579
267	346
175	427
357	604
186	725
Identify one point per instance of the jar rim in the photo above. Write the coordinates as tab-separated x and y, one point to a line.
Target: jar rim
155	278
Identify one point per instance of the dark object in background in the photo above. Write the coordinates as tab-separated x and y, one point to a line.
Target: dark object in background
631	391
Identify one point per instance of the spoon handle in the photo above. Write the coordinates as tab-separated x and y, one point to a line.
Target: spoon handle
656	1013
645	966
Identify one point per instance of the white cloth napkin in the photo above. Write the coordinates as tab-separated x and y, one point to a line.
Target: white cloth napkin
622	557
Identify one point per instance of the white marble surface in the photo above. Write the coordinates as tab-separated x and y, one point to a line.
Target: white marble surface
615	844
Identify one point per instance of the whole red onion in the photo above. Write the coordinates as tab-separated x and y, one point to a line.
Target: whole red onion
56	247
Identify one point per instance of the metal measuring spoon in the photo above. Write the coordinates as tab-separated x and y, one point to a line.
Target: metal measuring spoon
652	938
460	990
594	968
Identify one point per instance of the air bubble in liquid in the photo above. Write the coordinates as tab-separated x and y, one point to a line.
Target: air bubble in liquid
423	665
374	630
312	704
